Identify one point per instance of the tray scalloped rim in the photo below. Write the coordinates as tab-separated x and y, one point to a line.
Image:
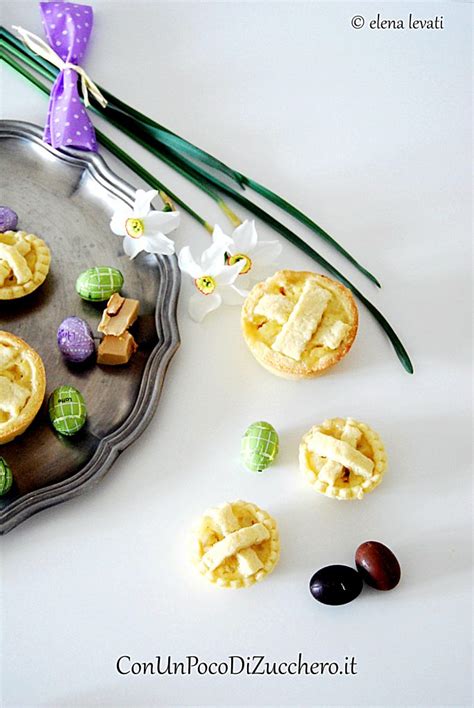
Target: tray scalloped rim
151	384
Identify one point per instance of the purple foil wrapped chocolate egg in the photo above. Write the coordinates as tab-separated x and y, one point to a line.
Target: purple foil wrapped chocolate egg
8	219
75	340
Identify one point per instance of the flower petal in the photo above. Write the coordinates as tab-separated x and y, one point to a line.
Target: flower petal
158	243
267	251
212	259
232	295
200	305
132	246
245	236
142	203
187	263
228	274
219	237
119	217
161	222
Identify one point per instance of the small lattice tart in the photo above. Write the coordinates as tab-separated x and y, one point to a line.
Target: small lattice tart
299	324
22	386
235	544
24	264
343	458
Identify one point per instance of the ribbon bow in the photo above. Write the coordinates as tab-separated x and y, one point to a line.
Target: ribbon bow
39	47
68	27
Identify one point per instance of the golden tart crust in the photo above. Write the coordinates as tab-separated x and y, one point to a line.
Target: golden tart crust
343	458
298	324
22	386
24	264
235	545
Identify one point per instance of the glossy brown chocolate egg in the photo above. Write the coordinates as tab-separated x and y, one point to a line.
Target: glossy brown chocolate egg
377	565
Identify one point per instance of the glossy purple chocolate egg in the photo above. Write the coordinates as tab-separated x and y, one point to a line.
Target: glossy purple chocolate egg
8	219
75	340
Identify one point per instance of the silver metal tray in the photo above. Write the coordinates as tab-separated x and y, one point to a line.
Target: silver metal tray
67	197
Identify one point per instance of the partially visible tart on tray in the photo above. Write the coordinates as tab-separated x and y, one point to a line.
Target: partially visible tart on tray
24	264
22	386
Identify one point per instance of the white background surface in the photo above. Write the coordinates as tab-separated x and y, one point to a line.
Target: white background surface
368	131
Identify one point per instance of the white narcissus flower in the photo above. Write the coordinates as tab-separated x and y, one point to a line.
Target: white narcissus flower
144	229
214	280
243	246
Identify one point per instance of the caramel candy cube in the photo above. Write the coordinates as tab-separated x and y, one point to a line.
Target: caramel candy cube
114	351
118	316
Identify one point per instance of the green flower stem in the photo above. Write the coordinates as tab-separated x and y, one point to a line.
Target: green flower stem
117	151
233	218
164	136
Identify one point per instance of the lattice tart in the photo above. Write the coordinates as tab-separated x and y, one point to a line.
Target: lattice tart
24	264
235	544
22	385
343	458
298	324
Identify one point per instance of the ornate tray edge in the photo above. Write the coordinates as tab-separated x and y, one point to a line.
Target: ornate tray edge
151	385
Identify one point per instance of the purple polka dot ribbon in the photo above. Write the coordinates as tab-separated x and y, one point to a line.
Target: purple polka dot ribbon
68	27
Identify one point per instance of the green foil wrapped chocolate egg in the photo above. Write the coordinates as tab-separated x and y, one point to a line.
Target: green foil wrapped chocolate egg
259	446
67	410
99	283
6	477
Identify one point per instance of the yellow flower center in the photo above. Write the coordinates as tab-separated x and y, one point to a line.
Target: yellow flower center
232	260
205	284
134	227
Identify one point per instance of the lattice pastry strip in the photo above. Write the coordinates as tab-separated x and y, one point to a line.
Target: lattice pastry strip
331	470
341	452
8	356
239	540
249	562
13	396
303	321
17	239
274	307
330	334
8	239
16	263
